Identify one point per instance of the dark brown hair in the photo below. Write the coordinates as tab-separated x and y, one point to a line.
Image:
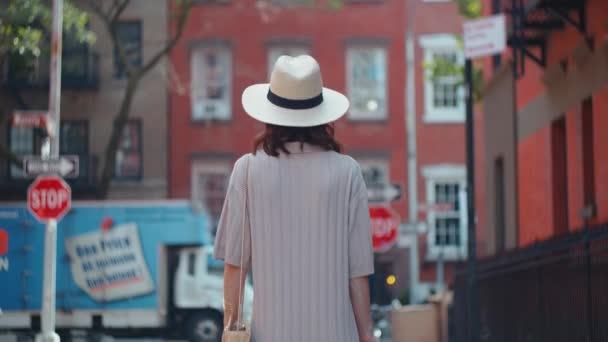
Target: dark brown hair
274	138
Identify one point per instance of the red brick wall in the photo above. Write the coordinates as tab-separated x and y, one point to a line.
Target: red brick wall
327	32
600	120
536	207
535	183
436	143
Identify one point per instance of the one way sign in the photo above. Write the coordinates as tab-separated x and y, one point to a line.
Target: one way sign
383	193
66	166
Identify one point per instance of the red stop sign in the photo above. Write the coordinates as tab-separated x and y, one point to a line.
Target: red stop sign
385	227
48	198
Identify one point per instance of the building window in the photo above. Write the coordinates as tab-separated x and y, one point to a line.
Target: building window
446	211
367	82
74	137
274	52
375	171
559	172
130	35
443	96
21	143
588	156
209	186
129	163
499	204
211	83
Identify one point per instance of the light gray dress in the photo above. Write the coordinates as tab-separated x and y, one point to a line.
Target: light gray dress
310	233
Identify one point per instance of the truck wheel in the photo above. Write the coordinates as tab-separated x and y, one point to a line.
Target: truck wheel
205	327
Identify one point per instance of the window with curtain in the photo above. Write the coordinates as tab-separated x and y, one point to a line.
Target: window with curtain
367	82
211	83
130	35
129	157
209	186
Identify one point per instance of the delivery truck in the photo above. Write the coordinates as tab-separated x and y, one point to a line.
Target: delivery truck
124	269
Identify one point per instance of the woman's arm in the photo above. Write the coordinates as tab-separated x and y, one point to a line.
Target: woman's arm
231	293
359	297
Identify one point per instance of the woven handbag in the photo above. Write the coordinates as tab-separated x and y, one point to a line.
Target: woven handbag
240	332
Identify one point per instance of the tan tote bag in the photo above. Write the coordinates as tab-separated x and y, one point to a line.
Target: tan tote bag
241	331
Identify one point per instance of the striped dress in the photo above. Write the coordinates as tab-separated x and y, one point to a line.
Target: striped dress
309	234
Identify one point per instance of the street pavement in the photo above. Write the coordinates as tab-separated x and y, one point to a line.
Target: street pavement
11	338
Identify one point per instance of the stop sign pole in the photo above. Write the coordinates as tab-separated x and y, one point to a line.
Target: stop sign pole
50	150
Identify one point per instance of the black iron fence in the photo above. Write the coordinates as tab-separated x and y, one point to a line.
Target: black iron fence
554	290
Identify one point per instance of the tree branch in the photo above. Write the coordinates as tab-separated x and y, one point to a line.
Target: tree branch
121	5
134	75
97	8
181	24
110	19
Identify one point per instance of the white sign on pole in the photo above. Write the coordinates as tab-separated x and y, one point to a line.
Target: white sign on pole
66	166
485	37
383	192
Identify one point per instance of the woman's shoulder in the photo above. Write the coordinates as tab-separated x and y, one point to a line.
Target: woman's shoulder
241	164
347	161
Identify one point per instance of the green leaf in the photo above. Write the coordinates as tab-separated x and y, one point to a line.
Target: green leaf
25	27
470	9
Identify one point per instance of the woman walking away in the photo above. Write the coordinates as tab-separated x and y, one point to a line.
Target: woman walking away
296	214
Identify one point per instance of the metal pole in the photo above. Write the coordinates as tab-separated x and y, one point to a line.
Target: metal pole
50	246
55	75
410	128
473	305
48	292
440	272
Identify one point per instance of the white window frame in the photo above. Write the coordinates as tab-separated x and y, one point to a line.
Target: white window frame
441	43
272	58
367	115
445	173
227	102
381	163
206	166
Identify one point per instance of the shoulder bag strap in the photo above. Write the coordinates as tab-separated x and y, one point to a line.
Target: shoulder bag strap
245	214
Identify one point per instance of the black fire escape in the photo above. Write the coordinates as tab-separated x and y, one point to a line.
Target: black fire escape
531	23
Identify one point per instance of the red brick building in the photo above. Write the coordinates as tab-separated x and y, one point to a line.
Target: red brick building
554	153
440	140
228	45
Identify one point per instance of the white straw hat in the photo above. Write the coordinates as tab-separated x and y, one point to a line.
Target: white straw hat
295	96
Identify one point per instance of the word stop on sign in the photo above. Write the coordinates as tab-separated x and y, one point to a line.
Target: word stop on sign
49	198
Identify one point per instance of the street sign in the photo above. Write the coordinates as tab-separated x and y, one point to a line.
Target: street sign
385	227
383	193
49	198
436	207
485	37
66	166
32	119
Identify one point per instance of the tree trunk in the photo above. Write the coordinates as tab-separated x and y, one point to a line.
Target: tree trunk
117	131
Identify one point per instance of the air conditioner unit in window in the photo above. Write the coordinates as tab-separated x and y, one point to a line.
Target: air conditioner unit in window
209	110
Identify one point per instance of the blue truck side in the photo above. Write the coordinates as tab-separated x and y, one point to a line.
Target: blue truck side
123	268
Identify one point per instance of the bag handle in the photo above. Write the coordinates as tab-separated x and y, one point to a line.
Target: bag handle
245	214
